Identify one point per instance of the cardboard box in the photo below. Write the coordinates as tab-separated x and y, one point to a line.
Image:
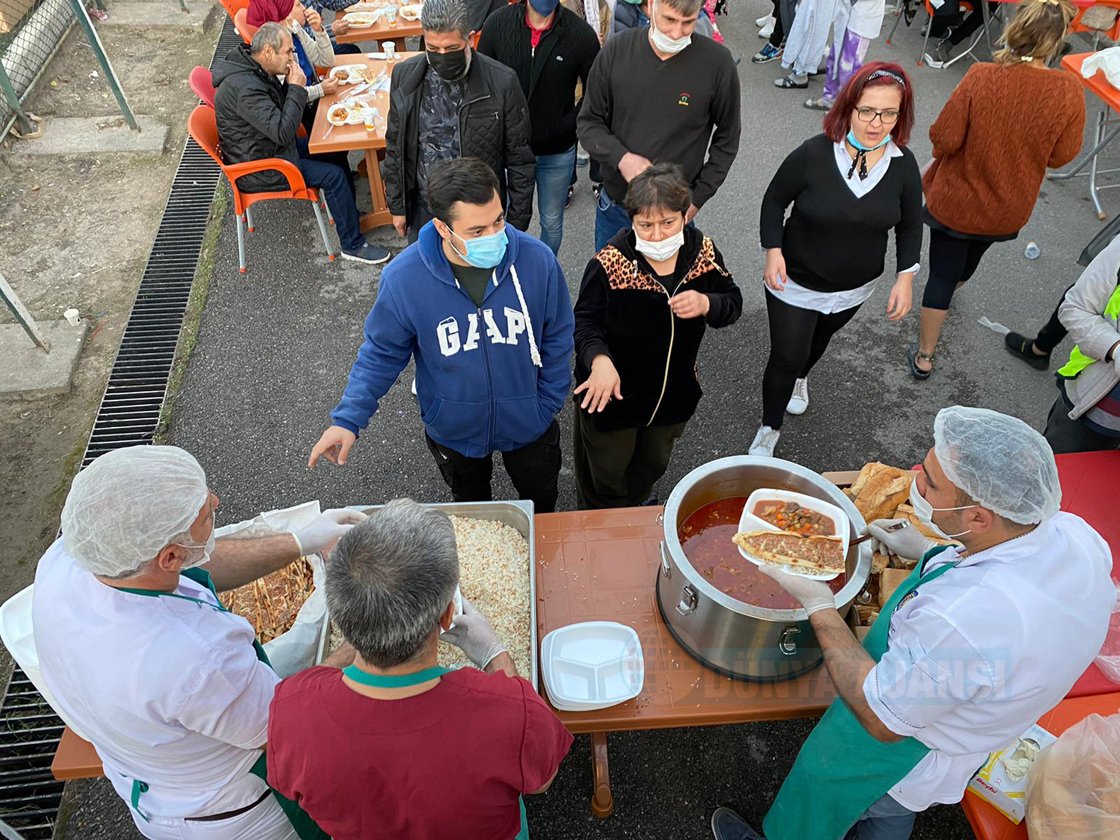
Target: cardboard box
889	581
1002	781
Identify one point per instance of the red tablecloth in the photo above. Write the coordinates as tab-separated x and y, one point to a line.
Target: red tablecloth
1089	489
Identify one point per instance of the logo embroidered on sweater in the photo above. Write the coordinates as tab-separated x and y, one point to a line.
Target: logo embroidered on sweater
683	99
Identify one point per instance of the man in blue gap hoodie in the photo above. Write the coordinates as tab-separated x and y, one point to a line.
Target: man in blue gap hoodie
484	310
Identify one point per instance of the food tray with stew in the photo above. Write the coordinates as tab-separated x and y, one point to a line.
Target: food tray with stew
809	534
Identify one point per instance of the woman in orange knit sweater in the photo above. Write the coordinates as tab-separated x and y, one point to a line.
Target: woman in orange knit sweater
1005	123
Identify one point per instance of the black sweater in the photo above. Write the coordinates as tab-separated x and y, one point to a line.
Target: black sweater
548	75
832	240
662	110
623	312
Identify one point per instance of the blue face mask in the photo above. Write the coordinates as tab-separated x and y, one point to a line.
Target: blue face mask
544	7
856	144
482	251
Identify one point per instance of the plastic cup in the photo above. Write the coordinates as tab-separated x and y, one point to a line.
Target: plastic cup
391	15
73	317
370	119
390	50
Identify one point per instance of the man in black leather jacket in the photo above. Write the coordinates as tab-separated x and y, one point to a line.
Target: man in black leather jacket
452	102
258	117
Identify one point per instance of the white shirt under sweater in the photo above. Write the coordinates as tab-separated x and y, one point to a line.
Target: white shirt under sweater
984	650
829	302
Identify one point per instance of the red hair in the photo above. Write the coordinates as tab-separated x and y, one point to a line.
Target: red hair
838	120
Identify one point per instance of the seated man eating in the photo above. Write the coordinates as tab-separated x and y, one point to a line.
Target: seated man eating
259	107
396	746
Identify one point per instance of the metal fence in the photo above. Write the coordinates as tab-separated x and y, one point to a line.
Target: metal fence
31	31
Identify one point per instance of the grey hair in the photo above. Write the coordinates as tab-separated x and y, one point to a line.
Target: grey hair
390	579
270	34
445	16
688	8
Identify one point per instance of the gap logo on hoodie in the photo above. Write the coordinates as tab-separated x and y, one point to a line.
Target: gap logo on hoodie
453	338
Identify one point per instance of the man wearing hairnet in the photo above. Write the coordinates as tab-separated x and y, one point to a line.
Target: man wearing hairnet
142	657
982	638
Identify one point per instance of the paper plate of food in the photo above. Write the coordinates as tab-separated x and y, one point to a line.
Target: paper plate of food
346	113
352	74
362	20
803	534
411	11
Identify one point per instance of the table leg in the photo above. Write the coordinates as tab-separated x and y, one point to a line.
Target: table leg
602	803
380	215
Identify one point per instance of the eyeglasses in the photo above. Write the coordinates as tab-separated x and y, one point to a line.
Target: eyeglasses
867	115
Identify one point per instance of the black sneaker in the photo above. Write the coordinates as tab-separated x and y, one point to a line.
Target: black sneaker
1023	348
371	254
571	192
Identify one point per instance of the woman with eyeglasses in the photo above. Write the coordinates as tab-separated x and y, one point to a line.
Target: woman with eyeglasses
1005	123
849	187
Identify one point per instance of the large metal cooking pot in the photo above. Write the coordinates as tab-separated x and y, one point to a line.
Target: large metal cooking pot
738	639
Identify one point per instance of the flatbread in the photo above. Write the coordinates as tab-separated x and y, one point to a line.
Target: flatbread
823	555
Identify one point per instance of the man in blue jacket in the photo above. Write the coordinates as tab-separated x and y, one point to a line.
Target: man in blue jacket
484	309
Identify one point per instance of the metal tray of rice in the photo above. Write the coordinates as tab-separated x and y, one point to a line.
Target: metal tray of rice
495	542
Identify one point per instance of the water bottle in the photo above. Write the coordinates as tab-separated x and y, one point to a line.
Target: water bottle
1032	251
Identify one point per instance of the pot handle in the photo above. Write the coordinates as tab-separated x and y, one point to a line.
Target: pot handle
787	641
666	569
688	600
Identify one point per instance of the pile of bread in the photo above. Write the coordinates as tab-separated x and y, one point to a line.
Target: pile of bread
883	492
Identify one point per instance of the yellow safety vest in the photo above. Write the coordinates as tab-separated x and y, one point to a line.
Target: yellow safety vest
1078	361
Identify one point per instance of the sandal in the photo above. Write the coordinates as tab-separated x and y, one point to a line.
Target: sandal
789	83
1021	346
912	358
817	105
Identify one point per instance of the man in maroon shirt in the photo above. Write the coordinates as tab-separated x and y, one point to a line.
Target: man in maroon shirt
395	746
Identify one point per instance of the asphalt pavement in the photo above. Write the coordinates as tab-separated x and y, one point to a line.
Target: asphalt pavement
276	343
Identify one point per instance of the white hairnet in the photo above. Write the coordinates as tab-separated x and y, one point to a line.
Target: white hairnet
1000	461
128	504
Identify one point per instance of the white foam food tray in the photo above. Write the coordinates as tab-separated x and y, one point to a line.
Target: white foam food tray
592	665
749	522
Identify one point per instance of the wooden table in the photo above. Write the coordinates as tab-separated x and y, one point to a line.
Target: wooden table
381	31
601	565
346	138
1110	102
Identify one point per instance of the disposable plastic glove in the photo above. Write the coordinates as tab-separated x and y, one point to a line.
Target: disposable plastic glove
474	636
906	542
813	595
325	528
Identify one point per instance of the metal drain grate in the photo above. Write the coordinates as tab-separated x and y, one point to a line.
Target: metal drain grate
29	735
129	414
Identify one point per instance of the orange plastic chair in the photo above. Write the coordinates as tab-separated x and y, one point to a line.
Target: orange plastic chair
242	25
202	83
202	125
231	6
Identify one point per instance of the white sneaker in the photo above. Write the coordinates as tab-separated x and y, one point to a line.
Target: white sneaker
414	388
764	20
799	401
766	31
765	440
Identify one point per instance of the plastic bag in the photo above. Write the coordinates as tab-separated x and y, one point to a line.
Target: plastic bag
299	647
1073	792
1107	60
1108	660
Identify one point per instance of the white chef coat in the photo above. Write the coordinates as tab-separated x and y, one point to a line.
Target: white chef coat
978	654
170	692
828	303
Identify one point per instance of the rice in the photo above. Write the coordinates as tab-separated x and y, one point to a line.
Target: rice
494	576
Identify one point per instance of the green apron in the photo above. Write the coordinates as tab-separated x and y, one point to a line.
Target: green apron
304	826
403	681
842	770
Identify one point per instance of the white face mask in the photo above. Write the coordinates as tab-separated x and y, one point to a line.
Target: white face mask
204	553
924	511
659	251
662	42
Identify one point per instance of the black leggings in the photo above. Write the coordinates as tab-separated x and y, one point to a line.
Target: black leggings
779	33
951	261
798	339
